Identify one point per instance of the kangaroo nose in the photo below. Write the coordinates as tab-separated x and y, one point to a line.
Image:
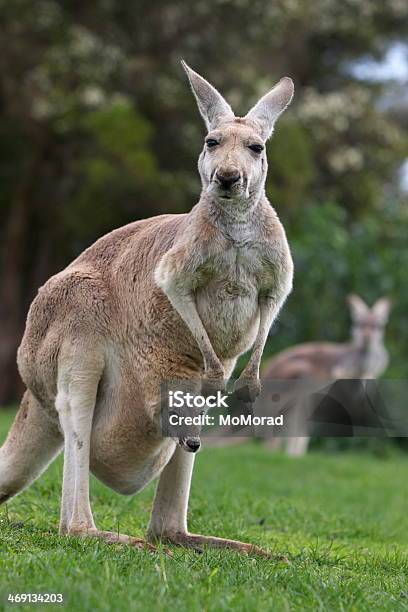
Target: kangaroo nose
193	444
227	177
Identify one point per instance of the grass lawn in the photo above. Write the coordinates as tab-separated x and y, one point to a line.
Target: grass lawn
342	521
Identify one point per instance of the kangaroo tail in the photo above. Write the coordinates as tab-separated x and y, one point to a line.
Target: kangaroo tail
33	442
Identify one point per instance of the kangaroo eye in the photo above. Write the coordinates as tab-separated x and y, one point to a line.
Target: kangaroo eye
211	142
256	148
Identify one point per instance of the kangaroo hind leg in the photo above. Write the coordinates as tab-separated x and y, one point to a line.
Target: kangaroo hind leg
168	521
78	380
75	404
33	442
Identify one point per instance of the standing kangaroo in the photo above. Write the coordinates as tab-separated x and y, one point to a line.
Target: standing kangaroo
365	356
171	297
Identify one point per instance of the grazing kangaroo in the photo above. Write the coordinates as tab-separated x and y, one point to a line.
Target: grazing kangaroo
171	297
365	356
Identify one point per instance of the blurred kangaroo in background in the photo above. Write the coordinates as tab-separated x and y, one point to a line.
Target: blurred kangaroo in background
171	297
364	356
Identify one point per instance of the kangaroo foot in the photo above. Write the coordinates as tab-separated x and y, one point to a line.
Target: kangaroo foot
114	538
199	542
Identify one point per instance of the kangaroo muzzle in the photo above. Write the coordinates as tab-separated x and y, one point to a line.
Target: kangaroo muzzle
191	444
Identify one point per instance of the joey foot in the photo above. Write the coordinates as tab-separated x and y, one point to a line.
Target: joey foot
199	542
114	538
247	389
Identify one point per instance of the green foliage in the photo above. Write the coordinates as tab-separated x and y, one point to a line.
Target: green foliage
119	132
116	165
117	176
292	166
336	254
356	148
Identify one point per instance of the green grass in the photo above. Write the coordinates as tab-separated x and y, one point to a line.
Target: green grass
342	521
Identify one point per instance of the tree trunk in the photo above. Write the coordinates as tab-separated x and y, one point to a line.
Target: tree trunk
12	300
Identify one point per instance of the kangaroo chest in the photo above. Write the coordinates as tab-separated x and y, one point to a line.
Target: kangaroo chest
238	270
359	363
227	297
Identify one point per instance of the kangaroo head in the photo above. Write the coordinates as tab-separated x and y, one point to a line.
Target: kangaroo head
233	163
368	324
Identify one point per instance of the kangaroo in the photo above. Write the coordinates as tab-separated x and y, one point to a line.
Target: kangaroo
365	356
170	297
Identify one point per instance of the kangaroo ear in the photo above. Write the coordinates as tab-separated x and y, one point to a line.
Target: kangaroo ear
271	105
211	104
357	306
381	309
